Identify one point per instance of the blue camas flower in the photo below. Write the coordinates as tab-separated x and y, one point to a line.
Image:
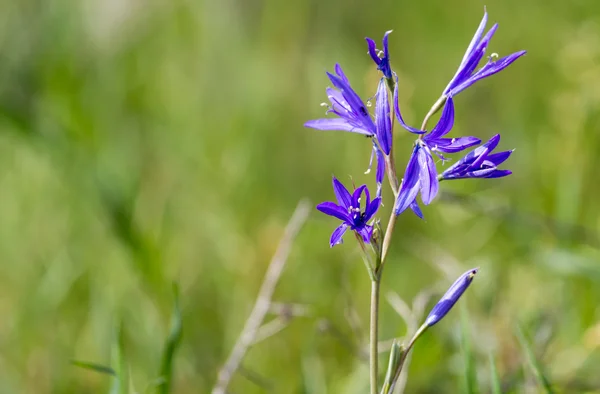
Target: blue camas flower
347	105
348	210
421	172
381	58
449	299
480	163
466	75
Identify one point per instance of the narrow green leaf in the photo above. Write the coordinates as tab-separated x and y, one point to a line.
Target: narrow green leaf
535	366
120	383
94	367
470	369
171	345
494	378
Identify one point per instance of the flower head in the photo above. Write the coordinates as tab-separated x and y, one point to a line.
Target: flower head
348	210
466	75
383	62
480	163
449	299
347	105
421	172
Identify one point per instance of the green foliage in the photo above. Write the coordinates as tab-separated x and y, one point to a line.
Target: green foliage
149	142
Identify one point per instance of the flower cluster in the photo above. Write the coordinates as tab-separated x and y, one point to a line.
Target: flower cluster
421	175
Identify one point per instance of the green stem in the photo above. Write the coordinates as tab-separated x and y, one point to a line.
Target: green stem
373	340
436	107
419	332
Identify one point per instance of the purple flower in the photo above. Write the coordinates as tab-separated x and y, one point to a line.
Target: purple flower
382	118
421	173
349	212
383	63
347	105
480	163
449	299
466	75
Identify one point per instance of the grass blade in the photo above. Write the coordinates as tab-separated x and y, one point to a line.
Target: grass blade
470	370
120	383
533	363
171	345
94	367
496	386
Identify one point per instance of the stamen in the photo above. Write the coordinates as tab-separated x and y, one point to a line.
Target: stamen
494	56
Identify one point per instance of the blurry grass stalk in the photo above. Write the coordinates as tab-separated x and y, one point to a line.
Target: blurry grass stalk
535	366
495	384
120	384
171	345
263	301
471	386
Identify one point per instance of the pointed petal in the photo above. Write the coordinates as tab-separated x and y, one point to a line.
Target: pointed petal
480	173
355	103
386	51
453	145
373	51
499	158
444	125
399	115
365	232
335	124
491	68
427	176
416	209
475	39
341	194
499	174
332	209
382	118
356	196
340	73
410	184
336	236
372	208
337	100
380	170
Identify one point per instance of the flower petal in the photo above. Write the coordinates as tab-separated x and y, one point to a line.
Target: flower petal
380	174
372	208
399	115
500	157
491	68
355	102
416	209
335	124
444	125
382	118
499	174
332	209
427	176
410	184
356	196
338	70
341	194
365	232
452	145
336	236
373	51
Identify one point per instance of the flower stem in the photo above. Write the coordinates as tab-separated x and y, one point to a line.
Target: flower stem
373	337
436	107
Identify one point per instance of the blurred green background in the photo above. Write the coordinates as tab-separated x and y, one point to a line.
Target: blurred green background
147	142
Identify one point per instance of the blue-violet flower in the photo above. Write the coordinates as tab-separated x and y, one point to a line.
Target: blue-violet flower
383	62
480	163
347	105
449	299
465	75
348	210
